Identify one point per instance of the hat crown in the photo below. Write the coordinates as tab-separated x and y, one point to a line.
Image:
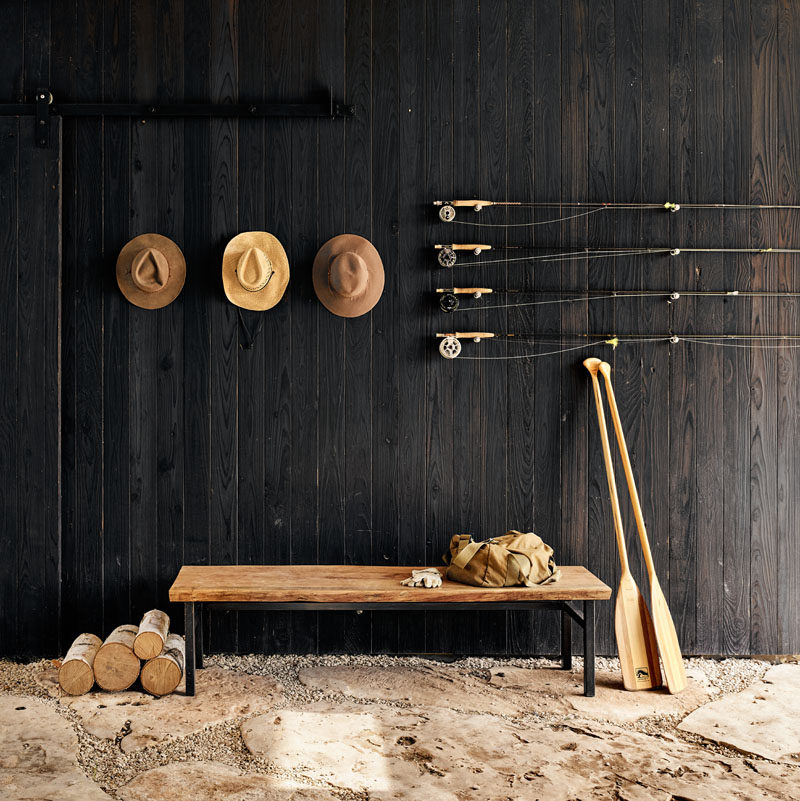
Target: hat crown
348	275
150	270
254	269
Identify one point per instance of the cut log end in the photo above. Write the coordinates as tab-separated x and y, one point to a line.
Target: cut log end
162	675
76	674
153	631
75	677
148	645
116	666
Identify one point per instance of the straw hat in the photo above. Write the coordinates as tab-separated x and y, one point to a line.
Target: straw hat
151	271
255	270
348	275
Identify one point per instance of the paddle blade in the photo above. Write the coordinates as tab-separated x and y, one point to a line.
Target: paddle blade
667	638
636	643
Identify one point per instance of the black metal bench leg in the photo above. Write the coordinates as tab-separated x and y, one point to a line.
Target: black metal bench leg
588	648
566	639
189	633
198	651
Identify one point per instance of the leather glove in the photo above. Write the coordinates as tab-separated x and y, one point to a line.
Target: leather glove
429	578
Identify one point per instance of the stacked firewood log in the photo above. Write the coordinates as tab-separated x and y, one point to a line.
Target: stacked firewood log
148	652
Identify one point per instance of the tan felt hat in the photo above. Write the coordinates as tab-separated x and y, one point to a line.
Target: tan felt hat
151	271
348	275
255	270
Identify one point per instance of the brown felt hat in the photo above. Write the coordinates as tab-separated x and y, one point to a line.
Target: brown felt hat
255	270
348	275
151	271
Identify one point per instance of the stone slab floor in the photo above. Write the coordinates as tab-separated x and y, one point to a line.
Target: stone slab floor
296	728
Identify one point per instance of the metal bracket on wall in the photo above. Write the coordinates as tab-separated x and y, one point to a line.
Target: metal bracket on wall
45	107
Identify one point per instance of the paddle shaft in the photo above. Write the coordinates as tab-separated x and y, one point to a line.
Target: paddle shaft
605	369
612	483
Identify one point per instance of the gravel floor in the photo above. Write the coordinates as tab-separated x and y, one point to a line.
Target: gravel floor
104	761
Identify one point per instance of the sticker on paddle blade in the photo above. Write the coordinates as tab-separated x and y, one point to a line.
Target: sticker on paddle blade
448	302
449	347
642	674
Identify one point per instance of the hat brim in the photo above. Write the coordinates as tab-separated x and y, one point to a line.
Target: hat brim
264	298
337	304
177	271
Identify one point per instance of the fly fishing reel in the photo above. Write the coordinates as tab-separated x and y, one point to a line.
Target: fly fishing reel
448	302
447	257
447	213
450	347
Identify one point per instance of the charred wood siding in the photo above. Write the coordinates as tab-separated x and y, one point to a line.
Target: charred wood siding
134	441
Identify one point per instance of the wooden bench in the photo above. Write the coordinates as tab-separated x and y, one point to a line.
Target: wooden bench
316	588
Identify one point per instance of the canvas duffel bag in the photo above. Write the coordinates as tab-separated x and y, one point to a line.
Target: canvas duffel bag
514	558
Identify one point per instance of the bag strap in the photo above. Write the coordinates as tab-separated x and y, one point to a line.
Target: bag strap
465	555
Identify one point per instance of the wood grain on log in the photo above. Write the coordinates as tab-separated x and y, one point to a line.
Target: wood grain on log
162	674
152	634
76	674
116	666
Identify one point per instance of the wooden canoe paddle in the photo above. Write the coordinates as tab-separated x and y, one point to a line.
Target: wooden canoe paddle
632	623
666	638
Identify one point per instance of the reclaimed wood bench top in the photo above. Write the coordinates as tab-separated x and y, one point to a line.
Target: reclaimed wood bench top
360	584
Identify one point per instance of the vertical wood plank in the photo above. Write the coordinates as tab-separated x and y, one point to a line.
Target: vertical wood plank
680	584
709	313
385	226
224	321
201	285
439	373
278	355
788	389
83	590
9	270
575	438
358	331
521	392
550	464
653	471
251	169
170	344
11	72
600	43
628	76
410	292
38	290
736	361
466	429
331	161
143	330
305	313
115	382
490	628
64	47
763	365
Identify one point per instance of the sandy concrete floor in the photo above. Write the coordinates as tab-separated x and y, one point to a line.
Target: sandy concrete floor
300	728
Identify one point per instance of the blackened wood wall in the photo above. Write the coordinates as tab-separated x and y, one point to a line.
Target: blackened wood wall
353	441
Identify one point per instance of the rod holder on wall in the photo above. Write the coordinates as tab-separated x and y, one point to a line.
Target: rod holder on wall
45	107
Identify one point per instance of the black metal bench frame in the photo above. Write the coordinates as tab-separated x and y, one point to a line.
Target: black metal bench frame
194	610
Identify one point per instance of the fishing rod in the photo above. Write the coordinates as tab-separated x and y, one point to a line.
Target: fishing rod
447	254
450	345
447	208
449	300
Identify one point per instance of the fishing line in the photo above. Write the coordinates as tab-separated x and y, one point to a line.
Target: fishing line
447	253
450	346
447	210
450	303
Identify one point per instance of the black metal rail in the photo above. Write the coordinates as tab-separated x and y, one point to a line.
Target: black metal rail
45	106
193	619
